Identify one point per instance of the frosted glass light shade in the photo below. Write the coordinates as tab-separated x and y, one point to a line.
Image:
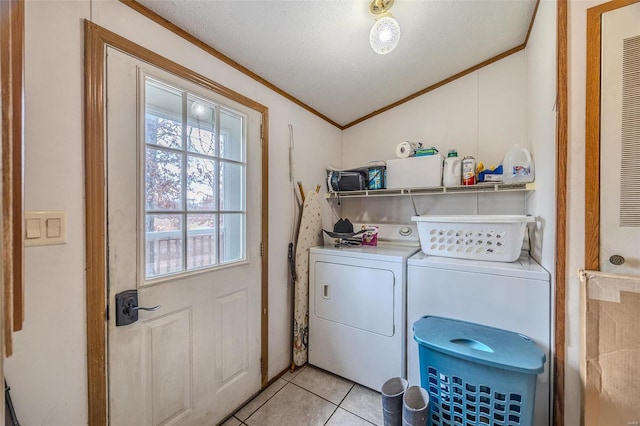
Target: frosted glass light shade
384	35
199	110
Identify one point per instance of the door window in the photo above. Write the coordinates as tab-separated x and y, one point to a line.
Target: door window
194	182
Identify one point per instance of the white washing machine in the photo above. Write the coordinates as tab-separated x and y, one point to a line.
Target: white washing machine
357	301
513	296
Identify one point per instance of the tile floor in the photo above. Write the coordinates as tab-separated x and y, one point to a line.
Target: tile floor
309	397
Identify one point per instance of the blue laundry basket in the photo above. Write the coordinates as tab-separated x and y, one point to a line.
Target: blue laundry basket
477	375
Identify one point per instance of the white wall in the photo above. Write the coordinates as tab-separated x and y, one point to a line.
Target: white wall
541	128
541	140
47	374
482	114
577	36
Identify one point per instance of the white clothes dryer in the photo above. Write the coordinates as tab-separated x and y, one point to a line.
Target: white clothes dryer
357	300
513	296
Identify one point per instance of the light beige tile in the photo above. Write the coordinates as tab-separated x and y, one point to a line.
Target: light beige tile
289	375
259	400
324	384
344	418
231	422
365	403
293	406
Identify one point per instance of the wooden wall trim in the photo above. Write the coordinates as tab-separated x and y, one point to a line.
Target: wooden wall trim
221	56
95	220
7	176
17	53
453	77
562	142
533	19
435	86
96	41
197	42
12	92
265	245
592	144
17	188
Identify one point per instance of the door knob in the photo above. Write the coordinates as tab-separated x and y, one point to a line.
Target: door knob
616	259
140	308
127	307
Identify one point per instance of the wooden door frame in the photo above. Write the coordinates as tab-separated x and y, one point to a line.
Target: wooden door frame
12	157
592	132
97	39
559	347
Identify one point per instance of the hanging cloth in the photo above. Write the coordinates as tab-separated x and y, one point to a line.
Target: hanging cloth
310	235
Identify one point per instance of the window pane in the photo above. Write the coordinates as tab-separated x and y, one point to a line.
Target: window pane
163	248
163	180
195	177
200	127
201	184
163	116
231	186
201	240
231	142
231	237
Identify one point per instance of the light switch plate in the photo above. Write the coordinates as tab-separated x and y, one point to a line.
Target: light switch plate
44	228
32	228
54	226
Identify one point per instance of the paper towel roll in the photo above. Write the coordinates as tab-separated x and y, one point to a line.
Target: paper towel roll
404	150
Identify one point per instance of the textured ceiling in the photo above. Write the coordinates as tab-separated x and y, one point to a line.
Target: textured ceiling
318	51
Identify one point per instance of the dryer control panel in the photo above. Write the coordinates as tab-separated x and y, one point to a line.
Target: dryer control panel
401	234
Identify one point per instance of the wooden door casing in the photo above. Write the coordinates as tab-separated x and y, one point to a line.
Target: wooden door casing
96	41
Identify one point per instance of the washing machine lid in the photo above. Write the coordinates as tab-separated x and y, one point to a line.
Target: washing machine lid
386	252
524	267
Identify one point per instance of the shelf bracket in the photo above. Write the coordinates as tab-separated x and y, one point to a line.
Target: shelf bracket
415	210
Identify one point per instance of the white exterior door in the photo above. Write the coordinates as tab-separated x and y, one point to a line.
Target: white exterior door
620	142
184	231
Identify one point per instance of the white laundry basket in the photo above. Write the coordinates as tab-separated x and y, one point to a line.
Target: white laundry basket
482	237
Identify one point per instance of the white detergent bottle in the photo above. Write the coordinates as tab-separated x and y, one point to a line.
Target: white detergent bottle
517	166
452	172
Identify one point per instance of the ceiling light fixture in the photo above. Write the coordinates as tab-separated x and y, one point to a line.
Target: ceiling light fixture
199	110
385	33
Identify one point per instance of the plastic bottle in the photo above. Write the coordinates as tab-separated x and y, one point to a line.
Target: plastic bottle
517	166
452	172
469	170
